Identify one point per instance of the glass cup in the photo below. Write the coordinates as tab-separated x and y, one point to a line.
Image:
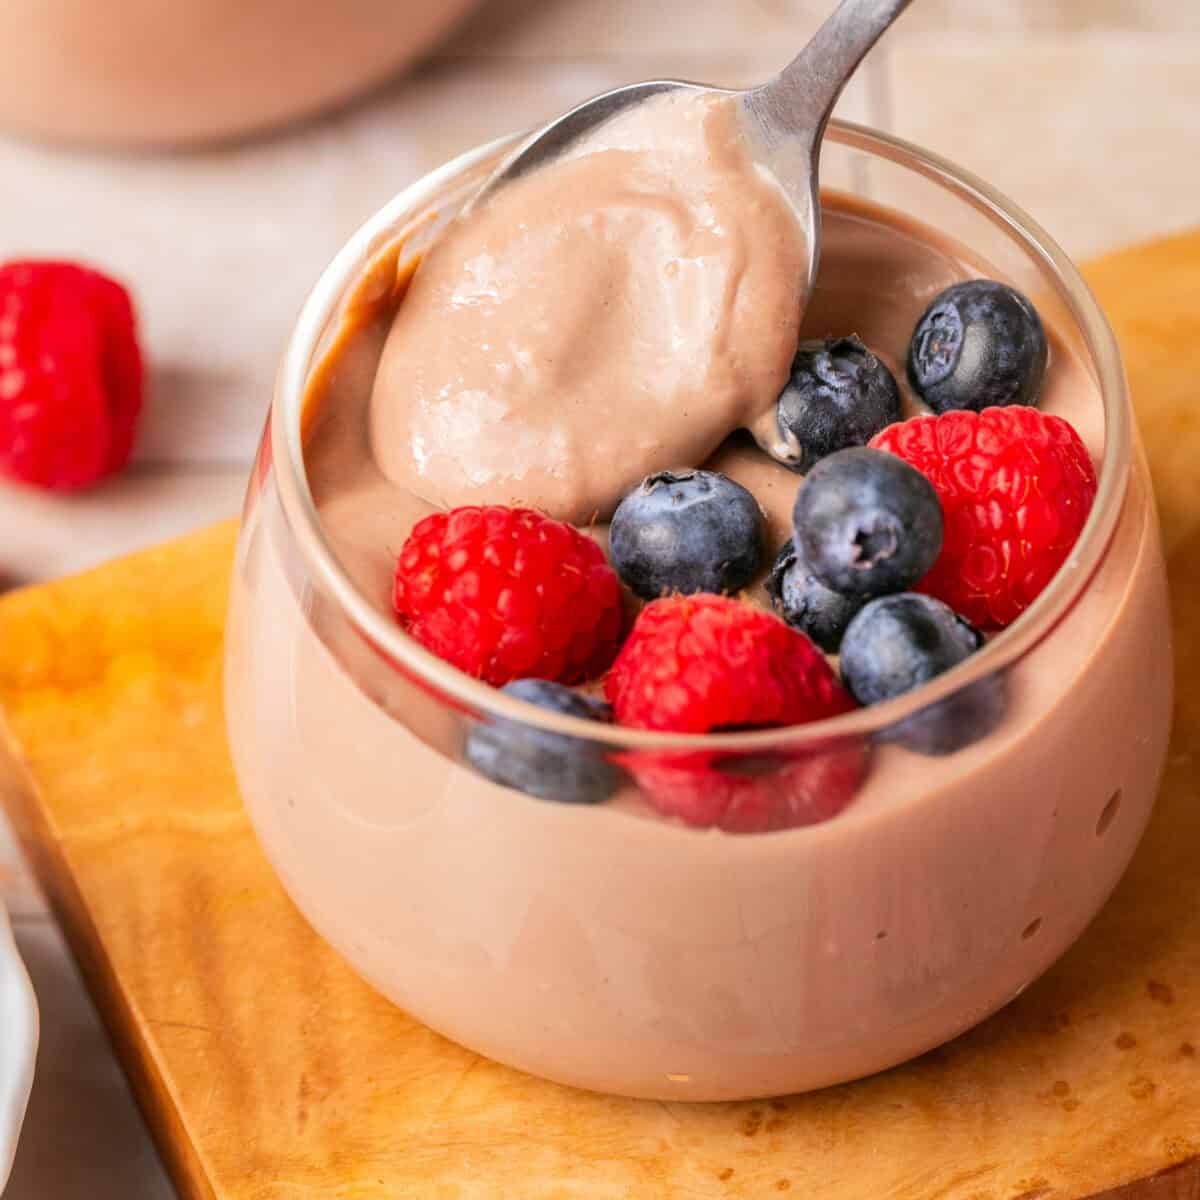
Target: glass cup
868	891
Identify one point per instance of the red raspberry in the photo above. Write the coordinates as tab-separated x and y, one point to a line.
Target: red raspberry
1016	487
697	663
70	374
756	793
507	593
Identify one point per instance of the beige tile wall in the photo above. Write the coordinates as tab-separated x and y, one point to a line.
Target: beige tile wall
539	29
1083	110
1036	16
1096	133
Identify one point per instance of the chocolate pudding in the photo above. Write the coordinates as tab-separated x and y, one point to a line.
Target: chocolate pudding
609	947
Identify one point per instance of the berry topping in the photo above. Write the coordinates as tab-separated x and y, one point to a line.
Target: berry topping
839	395
507	593
979	344
805	603
866	523
686	532
551	766
1016	487
70	375
898	643
751	793
698	663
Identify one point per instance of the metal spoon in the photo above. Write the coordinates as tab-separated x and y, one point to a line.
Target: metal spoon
783	120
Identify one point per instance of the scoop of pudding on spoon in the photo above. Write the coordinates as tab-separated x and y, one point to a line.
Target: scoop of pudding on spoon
782	120
628	308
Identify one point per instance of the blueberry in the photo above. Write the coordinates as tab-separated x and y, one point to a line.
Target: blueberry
551	766
897	643
839	394
867	523
979	344
687	531
805	603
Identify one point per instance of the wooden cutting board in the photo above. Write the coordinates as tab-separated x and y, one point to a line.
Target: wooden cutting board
269	1072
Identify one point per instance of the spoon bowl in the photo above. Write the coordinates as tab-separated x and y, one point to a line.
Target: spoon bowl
782	120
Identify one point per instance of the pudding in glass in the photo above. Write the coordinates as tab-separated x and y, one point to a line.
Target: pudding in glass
617	945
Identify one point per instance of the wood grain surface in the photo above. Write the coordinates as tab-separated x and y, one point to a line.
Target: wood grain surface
269	1072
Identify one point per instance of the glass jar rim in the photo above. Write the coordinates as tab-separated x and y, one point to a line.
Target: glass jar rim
484	701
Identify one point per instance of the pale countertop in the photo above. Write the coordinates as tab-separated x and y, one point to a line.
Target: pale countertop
1085	111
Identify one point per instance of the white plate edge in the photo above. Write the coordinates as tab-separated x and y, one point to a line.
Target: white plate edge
19	1029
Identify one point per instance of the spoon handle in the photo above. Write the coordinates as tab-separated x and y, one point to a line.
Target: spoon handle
799	99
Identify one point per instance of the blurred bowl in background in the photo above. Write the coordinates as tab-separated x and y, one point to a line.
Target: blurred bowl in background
145	73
